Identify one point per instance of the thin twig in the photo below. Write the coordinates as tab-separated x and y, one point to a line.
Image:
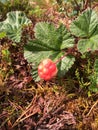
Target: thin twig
25	112
92	108
96	5
87	3
22	119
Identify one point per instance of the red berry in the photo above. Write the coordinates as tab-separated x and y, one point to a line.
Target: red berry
47	69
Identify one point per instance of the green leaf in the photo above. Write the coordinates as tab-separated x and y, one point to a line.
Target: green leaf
2	35
96	70
49	43
91	44
94	78
94	83
85	24
13	25
4	1
86	28
54	38
65	65
96	66
47	34
65	38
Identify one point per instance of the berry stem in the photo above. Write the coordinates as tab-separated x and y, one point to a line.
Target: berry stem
70	51
61	58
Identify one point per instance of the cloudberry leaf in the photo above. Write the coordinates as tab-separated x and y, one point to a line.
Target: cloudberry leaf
65	65
13	24
86	28
48	43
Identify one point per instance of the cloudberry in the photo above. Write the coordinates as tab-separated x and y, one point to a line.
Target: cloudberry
47	69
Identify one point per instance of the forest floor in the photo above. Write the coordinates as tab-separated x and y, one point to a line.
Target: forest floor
44	105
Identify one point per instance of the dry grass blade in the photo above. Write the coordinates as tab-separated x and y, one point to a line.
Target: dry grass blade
93	106
25	113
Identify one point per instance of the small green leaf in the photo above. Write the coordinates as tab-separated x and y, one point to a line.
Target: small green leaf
91	44
94	78
2	35
86	28
66	39
85	24
96	70
96	66
4	1
94	83
65	65
13	25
